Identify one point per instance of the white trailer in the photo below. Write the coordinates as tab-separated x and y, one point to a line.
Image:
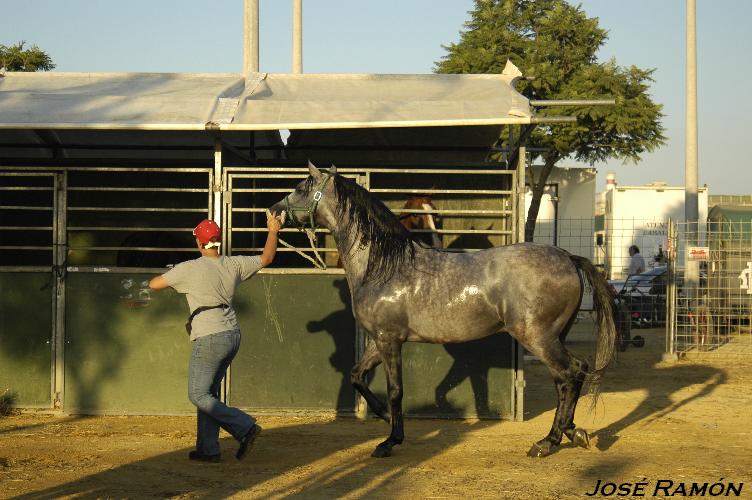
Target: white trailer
639	215
565	218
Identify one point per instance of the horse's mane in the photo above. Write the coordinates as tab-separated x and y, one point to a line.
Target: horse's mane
391	244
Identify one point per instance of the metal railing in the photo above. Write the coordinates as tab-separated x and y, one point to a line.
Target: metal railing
28	220
470	208
716	316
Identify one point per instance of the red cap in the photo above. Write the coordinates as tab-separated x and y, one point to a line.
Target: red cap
206	231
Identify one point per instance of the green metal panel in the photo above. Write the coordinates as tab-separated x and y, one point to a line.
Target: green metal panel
126	349
456	380
298	344
25	337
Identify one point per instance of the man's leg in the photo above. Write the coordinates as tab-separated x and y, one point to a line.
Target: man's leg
210	357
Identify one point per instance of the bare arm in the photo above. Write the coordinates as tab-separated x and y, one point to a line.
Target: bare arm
158	283
273	224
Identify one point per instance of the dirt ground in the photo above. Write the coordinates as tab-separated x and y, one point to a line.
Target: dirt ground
684	421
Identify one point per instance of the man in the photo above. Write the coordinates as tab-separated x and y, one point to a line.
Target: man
209	284
636	262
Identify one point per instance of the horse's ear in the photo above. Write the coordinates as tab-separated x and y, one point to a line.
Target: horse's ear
313	170
332	170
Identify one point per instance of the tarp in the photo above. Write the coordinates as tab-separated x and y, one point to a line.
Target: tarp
184	101
337	117
151	101
312	101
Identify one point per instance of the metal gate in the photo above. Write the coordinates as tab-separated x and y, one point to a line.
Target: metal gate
113	347
300	318
82	332
29	283
715	316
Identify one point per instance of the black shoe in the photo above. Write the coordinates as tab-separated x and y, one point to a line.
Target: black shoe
197	455
246	443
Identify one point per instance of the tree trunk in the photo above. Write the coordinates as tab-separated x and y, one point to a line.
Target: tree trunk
538	187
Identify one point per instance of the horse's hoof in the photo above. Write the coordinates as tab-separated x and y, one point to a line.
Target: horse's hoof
539	450
381	452
580	438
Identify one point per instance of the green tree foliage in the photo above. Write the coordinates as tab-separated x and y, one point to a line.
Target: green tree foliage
16	58
556	44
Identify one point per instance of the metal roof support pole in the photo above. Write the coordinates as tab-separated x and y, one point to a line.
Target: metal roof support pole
691	212
250	36
217	187
297	36
59	255
519	362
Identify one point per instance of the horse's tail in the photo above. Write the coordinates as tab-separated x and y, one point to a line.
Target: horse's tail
605	344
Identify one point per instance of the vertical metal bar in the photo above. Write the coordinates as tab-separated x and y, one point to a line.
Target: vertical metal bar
250	36
521	160
216	191
361	407
61	204
228	215
671	291
519	369
216	187
54	288
297	36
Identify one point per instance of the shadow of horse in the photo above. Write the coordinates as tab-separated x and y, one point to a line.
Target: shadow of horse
340	324
472	360
634	371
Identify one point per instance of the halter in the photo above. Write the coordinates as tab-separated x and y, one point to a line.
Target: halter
310	209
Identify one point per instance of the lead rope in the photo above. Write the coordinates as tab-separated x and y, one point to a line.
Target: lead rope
319	262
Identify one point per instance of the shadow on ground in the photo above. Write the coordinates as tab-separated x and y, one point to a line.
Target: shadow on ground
636	369
267	472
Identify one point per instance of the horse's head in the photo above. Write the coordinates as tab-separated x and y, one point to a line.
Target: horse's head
302	206
418	220
425	221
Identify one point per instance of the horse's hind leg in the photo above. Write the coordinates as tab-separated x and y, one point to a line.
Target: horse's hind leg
578	370
368	361
569	374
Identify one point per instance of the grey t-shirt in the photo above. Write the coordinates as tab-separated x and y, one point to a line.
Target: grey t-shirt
209	281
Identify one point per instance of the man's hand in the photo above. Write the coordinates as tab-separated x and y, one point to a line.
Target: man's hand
273	223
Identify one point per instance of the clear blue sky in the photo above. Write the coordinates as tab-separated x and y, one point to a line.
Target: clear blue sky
405	36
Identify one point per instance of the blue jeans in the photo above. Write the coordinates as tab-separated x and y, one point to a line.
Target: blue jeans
210	357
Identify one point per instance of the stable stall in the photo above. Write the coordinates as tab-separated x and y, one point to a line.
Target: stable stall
103	176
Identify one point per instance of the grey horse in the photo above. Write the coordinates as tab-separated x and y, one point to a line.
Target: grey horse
403	292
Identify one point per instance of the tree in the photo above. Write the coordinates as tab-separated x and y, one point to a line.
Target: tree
556	44
16	58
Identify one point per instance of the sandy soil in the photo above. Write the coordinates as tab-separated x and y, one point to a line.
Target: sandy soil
686	421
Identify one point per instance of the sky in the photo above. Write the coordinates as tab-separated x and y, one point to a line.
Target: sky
406	36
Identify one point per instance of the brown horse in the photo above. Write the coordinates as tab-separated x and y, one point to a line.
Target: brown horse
421	220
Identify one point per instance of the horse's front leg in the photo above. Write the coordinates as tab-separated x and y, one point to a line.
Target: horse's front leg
368	361
391	354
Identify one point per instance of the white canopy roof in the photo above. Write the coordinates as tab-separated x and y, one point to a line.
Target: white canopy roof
183	101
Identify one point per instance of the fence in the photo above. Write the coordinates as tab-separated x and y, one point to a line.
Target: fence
470	209
80	330
711	313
